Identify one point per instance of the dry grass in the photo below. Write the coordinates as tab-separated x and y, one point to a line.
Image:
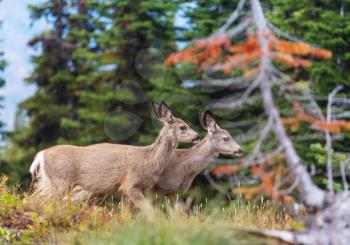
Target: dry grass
64	223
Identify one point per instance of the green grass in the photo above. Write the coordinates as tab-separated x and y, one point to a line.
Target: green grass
65	223
173	231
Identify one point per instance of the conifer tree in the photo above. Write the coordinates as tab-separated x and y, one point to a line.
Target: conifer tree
322	23
66	51
93	76
139	35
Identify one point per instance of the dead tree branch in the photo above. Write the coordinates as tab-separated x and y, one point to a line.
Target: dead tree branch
310	193
329	139
224	103
343	174
232	18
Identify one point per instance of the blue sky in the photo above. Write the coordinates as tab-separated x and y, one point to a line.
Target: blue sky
14	35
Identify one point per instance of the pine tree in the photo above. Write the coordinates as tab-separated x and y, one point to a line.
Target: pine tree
205	18
325	24
322	23
93	76
66	51
139	35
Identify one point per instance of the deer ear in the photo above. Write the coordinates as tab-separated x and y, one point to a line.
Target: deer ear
207	120
164	113
202	119
155	109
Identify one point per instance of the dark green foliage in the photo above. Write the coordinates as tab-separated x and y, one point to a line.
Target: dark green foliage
322	23
93	76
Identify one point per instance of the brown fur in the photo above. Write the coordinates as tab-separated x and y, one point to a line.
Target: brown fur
105	168
186	164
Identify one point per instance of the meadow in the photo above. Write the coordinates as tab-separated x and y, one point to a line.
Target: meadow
62	222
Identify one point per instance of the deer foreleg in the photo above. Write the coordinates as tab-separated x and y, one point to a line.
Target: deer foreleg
136	197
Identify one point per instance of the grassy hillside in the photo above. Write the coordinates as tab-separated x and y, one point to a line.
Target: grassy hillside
64	223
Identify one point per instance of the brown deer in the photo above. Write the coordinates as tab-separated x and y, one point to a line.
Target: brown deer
105	168
186	164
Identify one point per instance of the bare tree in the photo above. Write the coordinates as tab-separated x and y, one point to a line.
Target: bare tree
329	221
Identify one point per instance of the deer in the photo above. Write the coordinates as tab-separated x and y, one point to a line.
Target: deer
186	164
102	169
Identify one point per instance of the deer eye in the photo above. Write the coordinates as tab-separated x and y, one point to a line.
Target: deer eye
226	139
183	127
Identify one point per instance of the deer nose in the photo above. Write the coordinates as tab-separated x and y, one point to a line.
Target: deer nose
196	139
239	152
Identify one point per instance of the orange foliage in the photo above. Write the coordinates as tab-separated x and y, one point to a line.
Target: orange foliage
321	53
225	170
250	46
334	126
204	51
292	48
268	179
220	54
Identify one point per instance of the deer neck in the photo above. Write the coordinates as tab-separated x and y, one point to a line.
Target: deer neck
163	148
201	155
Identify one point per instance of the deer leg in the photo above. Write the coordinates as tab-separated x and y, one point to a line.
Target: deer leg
137	198
80	194
175	201
60	187
124	202
124	206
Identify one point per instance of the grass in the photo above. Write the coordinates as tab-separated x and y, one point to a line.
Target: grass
64	223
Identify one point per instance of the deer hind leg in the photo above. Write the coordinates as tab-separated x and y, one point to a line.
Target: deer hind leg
124	206
124	202
42	187
60	188
79	194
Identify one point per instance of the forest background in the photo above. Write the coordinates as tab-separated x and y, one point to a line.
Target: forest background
100	65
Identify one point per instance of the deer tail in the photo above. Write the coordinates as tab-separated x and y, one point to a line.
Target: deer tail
37	164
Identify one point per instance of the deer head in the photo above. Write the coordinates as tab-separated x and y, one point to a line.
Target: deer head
175	126
219	138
